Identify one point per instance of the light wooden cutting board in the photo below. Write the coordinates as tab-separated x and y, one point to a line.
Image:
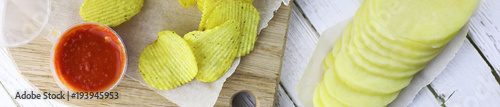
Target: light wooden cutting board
258	72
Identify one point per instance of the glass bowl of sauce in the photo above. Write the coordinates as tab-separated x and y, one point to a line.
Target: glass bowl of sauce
88	57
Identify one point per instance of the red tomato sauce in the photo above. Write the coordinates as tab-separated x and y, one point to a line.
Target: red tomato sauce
89	57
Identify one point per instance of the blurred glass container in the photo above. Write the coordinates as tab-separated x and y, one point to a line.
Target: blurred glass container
23	20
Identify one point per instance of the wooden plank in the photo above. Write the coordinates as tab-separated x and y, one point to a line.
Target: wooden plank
324	14
485	31
7	100
301	41
467	81
14	82
258	72
283	99
5	97
425	99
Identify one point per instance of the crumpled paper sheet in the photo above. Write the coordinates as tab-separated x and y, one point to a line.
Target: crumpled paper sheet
142	29
314	72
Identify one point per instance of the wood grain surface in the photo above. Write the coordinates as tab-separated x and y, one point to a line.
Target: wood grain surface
258	72
301	41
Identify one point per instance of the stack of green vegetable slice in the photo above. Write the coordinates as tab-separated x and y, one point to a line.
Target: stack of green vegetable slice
387	43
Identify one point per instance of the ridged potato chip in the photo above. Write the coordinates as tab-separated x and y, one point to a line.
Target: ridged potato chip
208	8
168	62
247	1
214	49
200	4
245	14
110	12
187	3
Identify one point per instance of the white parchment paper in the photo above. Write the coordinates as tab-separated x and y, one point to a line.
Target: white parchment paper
142	29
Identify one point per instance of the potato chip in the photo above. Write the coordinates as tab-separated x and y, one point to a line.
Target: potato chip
208	7
327	99
353	97
168	62
200	4
187	3
316	96
324	65
328	61
214	49
246	1
242	12
110	12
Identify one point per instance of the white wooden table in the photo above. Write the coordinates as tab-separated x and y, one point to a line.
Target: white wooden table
470	79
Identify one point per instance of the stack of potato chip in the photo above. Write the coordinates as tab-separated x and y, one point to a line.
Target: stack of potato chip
385	45
228	29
